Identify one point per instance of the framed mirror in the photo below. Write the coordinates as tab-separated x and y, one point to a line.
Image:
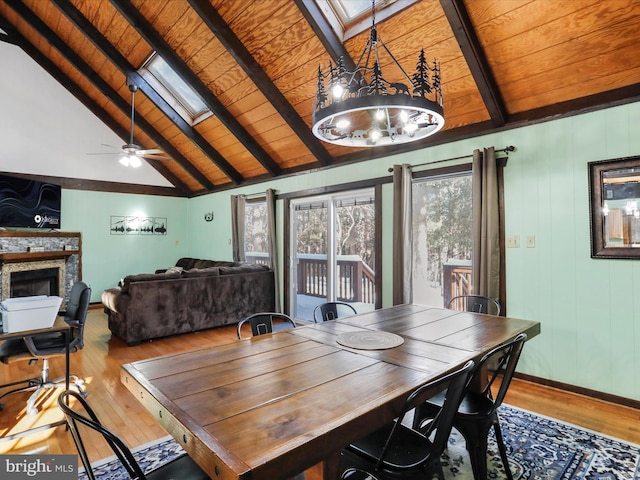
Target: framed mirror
614	201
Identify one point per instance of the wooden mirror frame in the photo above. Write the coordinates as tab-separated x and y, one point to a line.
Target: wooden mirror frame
597	170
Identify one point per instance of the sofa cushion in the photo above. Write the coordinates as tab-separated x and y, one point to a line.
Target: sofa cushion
147	277
243	268
201	272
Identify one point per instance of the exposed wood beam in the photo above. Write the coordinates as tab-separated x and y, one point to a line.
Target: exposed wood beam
115	57
101	186
10	34
473	53
32	19
236	48
323	30
146	30
92	105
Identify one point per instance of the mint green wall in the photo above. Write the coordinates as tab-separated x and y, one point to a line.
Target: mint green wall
589	309
107	258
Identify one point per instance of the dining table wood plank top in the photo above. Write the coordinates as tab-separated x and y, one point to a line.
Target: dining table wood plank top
269	407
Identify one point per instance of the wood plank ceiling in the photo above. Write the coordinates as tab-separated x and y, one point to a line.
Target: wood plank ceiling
254	62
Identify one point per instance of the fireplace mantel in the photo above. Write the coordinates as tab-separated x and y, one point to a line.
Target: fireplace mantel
12	257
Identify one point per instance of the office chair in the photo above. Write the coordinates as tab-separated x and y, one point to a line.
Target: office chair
397	451
263	322
182	467
475	303
332	310
478	411
48	345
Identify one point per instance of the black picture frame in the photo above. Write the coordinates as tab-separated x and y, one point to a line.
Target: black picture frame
614	181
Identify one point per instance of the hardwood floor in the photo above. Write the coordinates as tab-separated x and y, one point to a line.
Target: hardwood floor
100	360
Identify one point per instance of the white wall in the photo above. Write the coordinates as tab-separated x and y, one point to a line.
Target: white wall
46	130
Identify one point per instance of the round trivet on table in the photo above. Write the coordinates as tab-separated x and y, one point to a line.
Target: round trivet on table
370	340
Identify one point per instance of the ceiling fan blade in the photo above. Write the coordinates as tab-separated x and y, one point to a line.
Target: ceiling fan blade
105	153
148	156
151	151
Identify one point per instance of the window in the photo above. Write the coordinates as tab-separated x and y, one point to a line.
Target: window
332	245
442	236
350	17
174	90
256	243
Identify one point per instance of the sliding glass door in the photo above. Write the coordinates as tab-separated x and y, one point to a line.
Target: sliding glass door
332	249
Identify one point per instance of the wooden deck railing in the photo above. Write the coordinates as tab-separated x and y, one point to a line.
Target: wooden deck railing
356	281
456	279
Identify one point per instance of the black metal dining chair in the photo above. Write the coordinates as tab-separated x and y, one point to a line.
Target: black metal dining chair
475	303
399	452
72	404
332	310
478	411
266	322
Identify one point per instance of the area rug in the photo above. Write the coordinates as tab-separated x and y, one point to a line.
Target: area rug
539	448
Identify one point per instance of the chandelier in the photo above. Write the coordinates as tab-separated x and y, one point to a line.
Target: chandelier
363	109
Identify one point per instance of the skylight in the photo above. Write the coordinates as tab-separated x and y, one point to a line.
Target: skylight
175	91
350	17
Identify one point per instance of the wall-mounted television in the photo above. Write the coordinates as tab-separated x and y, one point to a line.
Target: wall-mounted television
26	203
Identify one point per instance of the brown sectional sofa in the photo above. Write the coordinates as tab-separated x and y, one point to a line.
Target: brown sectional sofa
194	295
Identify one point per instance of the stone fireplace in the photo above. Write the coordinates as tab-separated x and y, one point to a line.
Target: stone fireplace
39	263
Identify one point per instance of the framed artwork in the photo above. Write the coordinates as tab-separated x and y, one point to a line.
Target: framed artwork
117	226
146	225
159	225
133	226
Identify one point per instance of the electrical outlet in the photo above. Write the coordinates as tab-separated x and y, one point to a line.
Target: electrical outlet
531	241
513	241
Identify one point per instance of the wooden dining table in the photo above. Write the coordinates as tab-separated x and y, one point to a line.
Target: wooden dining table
272	406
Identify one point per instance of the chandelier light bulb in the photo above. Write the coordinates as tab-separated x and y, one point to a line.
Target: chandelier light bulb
375	135
410	128
337	92
380	114
343	123
404	116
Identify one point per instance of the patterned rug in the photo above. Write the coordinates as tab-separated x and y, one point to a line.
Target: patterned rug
539	448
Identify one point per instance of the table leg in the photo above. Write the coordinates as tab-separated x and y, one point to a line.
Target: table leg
67	341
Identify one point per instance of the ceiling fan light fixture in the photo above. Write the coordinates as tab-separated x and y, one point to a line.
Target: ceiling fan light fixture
124	160
379	112
134	161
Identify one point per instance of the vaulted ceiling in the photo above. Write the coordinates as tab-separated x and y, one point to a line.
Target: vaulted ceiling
254	62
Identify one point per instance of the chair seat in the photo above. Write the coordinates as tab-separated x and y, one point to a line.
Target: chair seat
472	404
183	468
14	350
409	450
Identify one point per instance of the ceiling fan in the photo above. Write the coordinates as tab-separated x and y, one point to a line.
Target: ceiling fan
131	152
